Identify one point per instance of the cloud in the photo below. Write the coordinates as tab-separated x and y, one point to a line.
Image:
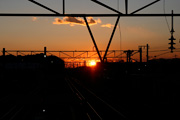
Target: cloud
76	21
107	25
34	18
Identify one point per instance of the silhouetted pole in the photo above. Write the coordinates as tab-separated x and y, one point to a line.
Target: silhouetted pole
127	56
129	53
45	50
92	37
126	6
140	54
172	33
112	35
147	54
4	52
63	6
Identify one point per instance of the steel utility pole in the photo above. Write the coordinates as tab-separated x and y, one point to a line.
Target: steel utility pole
4	52
172	33
45	51
129	54
126	6
147	52
63	6
140	54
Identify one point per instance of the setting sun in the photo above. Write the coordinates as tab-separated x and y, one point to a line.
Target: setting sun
92	63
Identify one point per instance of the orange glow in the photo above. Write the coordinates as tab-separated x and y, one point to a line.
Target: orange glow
92	63
107	25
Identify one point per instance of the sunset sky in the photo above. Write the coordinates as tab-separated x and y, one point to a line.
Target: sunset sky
33	33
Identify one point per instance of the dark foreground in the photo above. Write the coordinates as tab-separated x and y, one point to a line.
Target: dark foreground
37	95
139	91
135	91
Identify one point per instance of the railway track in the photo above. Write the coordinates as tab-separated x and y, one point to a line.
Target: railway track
13	105
94	107
41	103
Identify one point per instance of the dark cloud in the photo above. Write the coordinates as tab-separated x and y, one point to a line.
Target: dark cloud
75	21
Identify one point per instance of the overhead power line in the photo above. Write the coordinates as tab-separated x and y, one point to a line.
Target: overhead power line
159	50
164	9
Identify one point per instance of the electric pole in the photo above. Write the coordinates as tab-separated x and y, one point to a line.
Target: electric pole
172	37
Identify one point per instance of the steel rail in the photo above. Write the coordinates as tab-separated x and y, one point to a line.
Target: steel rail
98	98
81	97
